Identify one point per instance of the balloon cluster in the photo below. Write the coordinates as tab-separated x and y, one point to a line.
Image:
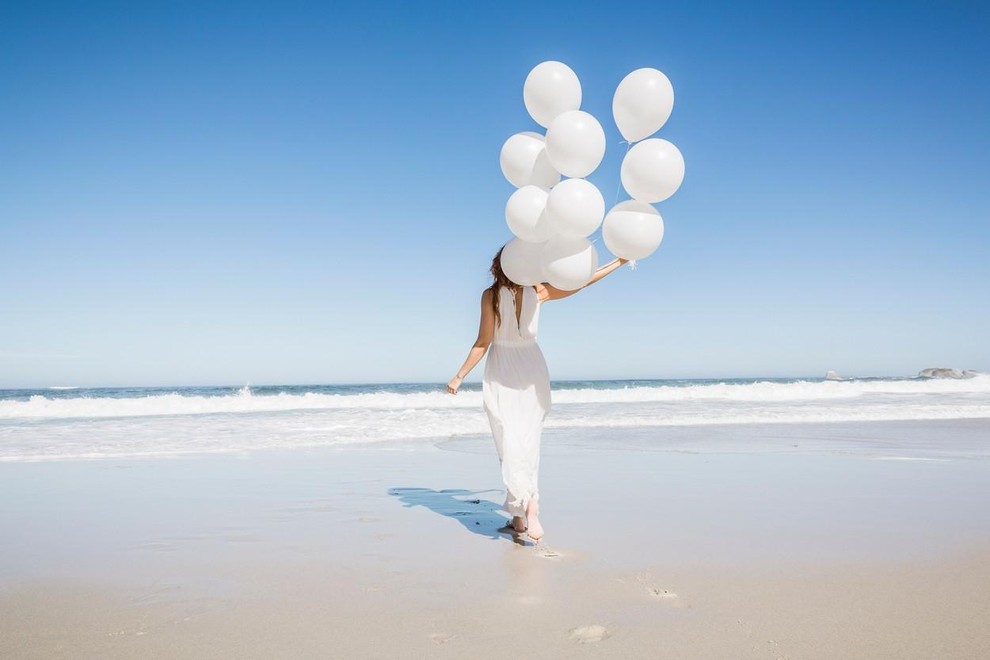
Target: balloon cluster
553	218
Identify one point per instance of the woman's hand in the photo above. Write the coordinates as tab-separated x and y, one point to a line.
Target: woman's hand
454	383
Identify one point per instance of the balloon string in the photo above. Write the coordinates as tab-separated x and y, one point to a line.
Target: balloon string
618	185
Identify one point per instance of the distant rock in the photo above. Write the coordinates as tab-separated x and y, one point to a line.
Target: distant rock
942	372
831	375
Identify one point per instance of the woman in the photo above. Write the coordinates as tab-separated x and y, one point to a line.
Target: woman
516	384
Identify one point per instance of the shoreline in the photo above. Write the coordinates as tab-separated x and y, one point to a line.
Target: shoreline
900	439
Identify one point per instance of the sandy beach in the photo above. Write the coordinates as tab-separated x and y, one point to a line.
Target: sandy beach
820	541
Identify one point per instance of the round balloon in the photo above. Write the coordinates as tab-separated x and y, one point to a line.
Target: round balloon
569	262
632	230
524	161
652	170
575	144
575	207
550	89
525	213
642	103
520	261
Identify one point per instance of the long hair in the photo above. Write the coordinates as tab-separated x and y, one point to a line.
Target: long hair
500	281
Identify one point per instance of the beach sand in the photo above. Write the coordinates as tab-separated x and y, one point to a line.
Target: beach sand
868	540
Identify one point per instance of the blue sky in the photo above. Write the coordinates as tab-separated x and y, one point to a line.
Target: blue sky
209	193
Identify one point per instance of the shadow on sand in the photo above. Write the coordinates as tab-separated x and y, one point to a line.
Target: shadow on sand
478	516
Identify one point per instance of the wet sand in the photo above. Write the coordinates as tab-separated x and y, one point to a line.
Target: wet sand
734	548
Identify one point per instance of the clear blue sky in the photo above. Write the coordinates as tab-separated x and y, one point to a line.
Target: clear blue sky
209	193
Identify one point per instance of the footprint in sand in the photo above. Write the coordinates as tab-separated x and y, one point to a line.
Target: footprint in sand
589	634
665	595
441	638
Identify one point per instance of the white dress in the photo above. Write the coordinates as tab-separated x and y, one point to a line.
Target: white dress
516	394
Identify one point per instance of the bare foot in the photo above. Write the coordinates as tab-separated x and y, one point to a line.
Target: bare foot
535	529
518	524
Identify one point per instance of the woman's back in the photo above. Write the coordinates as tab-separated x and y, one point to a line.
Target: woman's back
523	331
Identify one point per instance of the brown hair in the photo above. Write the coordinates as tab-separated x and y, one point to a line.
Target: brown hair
500	280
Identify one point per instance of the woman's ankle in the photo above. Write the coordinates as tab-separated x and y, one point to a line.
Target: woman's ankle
532	507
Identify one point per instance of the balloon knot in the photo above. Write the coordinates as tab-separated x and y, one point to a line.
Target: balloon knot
632	264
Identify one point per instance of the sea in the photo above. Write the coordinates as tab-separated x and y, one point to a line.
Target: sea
65	423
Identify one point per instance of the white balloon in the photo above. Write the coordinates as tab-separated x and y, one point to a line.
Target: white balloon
569	262
520	261
575	207
642	103
652	170
550	89
575	144
524	161
632	230
525	213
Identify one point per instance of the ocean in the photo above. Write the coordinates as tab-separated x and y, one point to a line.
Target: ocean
79	423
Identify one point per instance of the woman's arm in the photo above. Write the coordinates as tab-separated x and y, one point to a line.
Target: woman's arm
548	292
486	330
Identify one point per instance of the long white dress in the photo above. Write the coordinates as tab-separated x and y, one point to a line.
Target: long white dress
516	393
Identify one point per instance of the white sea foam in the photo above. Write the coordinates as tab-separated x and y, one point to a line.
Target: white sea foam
244	401
59	426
